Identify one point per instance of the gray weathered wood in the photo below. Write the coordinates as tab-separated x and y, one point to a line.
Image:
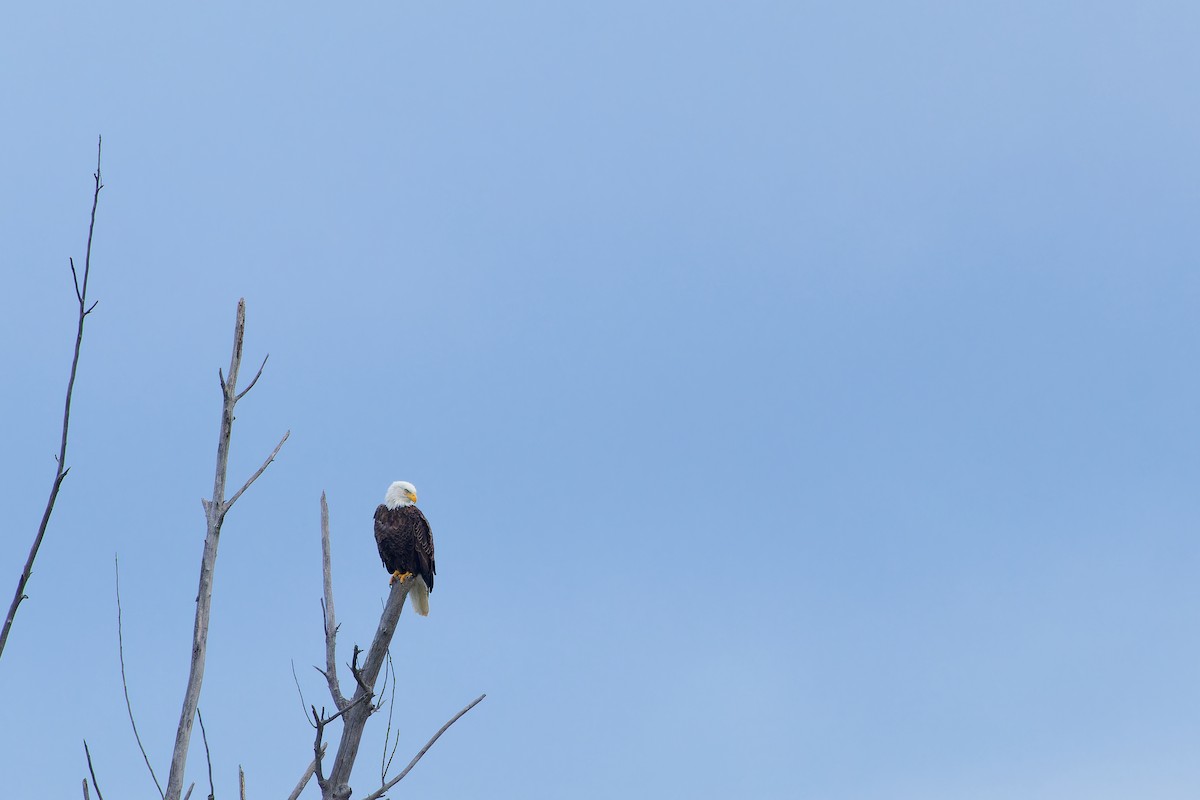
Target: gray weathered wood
331	676
214	514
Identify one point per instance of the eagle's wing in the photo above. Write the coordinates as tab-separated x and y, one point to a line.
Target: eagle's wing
424	542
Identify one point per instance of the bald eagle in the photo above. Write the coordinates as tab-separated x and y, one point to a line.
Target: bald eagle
406	543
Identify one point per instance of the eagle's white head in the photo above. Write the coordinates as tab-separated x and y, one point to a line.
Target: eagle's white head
400	493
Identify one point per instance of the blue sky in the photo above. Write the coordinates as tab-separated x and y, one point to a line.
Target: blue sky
803	395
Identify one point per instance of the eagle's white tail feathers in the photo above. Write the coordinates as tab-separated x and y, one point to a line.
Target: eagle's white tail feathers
419	595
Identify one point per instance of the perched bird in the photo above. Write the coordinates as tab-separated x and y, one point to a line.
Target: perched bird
406	543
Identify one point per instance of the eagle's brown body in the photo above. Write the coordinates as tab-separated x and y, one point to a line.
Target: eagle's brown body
405	542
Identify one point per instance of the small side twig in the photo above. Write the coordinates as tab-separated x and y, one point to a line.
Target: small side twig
124	683
385	761
257	472
299	691
380	792
207	755
92	771
254	380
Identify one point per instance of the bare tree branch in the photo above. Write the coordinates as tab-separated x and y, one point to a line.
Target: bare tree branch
189	791
380	792
241	776
308	773
330	618
257	375
207	756
92	771
258	472
85	790
214	512
124	683
60	470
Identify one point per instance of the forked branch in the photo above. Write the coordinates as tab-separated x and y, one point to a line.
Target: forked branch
355	713
358	708
214	512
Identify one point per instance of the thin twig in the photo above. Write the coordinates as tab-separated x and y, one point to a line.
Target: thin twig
124	683
378	794
60	470
257	375
189	791
342	712
385	761
85	790
75	278
242	782
299	691
207	756
257	472
307	776
91	771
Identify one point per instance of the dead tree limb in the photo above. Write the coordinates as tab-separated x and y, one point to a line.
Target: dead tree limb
379	793
61	470
330	617
214	512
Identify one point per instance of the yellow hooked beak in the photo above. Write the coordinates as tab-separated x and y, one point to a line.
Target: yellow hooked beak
412	496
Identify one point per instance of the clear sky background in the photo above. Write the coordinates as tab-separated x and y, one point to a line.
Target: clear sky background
803	395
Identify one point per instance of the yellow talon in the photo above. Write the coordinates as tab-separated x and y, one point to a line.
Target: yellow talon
399	576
